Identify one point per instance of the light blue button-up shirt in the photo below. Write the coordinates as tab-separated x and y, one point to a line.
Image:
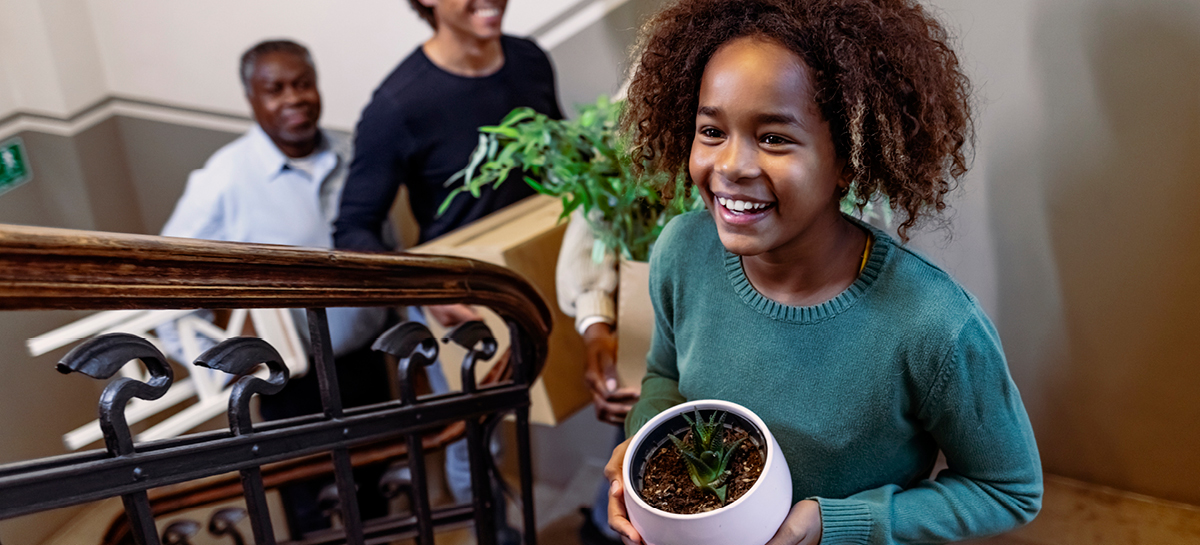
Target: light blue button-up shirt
248	191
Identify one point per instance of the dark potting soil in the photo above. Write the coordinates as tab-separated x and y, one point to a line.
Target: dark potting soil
667	485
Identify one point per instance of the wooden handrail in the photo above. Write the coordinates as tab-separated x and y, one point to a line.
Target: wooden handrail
45	268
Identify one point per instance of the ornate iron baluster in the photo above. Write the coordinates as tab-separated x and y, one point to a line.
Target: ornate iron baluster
329	503
239	356
397	482
180	532
224	523
481	345
331	400
517	348
416	347
101	358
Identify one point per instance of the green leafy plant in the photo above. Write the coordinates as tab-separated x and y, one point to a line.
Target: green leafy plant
877	208
707	454
584	162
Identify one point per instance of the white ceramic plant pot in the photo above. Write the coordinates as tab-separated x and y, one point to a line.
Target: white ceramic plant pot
750	520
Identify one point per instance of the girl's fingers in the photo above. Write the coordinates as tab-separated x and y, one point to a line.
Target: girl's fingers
612	470
618	518
802	526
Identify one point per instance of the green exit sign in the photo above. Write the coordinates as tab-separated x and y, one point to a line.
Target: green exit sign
14	164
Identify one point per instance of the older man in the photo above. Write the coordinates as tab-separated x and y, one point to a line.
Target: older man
280	183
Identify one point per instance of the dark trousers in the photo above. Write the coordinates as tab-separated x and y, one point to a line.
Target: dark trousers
362	380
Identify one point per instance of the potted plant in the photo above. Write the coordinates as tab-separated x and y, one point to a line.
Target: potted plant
584	162
706	472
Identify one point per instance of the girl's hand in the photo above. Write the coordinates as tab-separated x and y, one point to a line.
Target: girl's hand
801	527
618	518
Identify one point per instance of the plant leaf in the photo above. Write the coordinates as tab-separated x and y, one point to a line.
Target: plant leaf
502	131
587	159
536	186
518	115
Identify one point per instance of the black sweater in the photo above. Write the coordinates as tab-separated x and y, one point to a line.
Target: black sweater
421	127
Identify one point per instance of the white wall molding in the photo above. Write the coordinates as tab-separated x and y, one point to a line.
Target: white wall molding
554	33
562	30
122	106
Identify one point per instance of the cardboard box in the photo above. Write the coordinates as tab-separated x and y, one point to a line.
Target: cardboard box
525	237
635	322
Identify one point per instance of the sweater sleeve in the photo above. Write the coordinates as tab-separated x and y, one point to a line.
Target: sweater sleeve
994	479
585	288
660	385
373	181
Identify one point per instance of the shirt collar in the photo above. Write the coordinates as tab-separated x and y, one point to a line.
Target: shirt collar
267	155
270	159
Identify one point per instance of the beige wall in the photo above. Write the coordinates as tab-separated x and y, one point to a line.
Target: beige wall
1083	201
48	58
59	56
37	403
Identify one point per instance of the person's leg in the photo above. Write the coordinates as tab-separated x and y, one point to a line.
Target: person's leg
362	380
458	463
598	515
301	396
458	460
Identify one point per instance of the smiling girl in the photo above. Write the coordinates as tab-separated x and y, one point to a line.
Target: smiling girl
862	357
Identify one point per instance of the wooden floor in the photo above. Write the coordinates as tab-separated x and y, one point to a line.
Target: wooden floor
1073	513
565	531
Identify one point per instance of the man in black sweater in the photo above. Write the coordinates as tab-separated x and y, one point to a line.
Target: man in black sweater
423	122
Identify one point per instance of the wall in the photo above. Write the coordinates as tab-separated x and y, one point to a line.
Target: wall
1086	171
66	54
49	62
121	174
39	403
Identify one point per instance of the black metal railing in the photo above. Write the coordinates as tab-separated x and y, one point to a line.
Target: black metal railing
59	269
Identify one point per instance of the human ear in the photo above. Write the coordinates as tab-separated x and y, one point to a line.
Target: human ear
846	176
429	3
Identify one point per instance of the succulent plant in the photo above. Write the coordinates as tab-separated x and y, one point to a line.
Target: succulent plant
706	453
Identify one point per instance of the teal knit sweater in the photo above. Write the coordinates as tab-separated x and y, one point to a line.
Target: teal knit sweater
860	391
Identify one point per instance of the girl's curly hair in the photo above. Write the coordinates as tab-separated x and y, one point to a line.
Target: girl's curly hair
885	78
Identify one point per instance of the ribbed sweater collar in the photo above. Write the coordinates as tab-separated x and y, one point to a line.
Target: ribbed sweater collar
882	247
